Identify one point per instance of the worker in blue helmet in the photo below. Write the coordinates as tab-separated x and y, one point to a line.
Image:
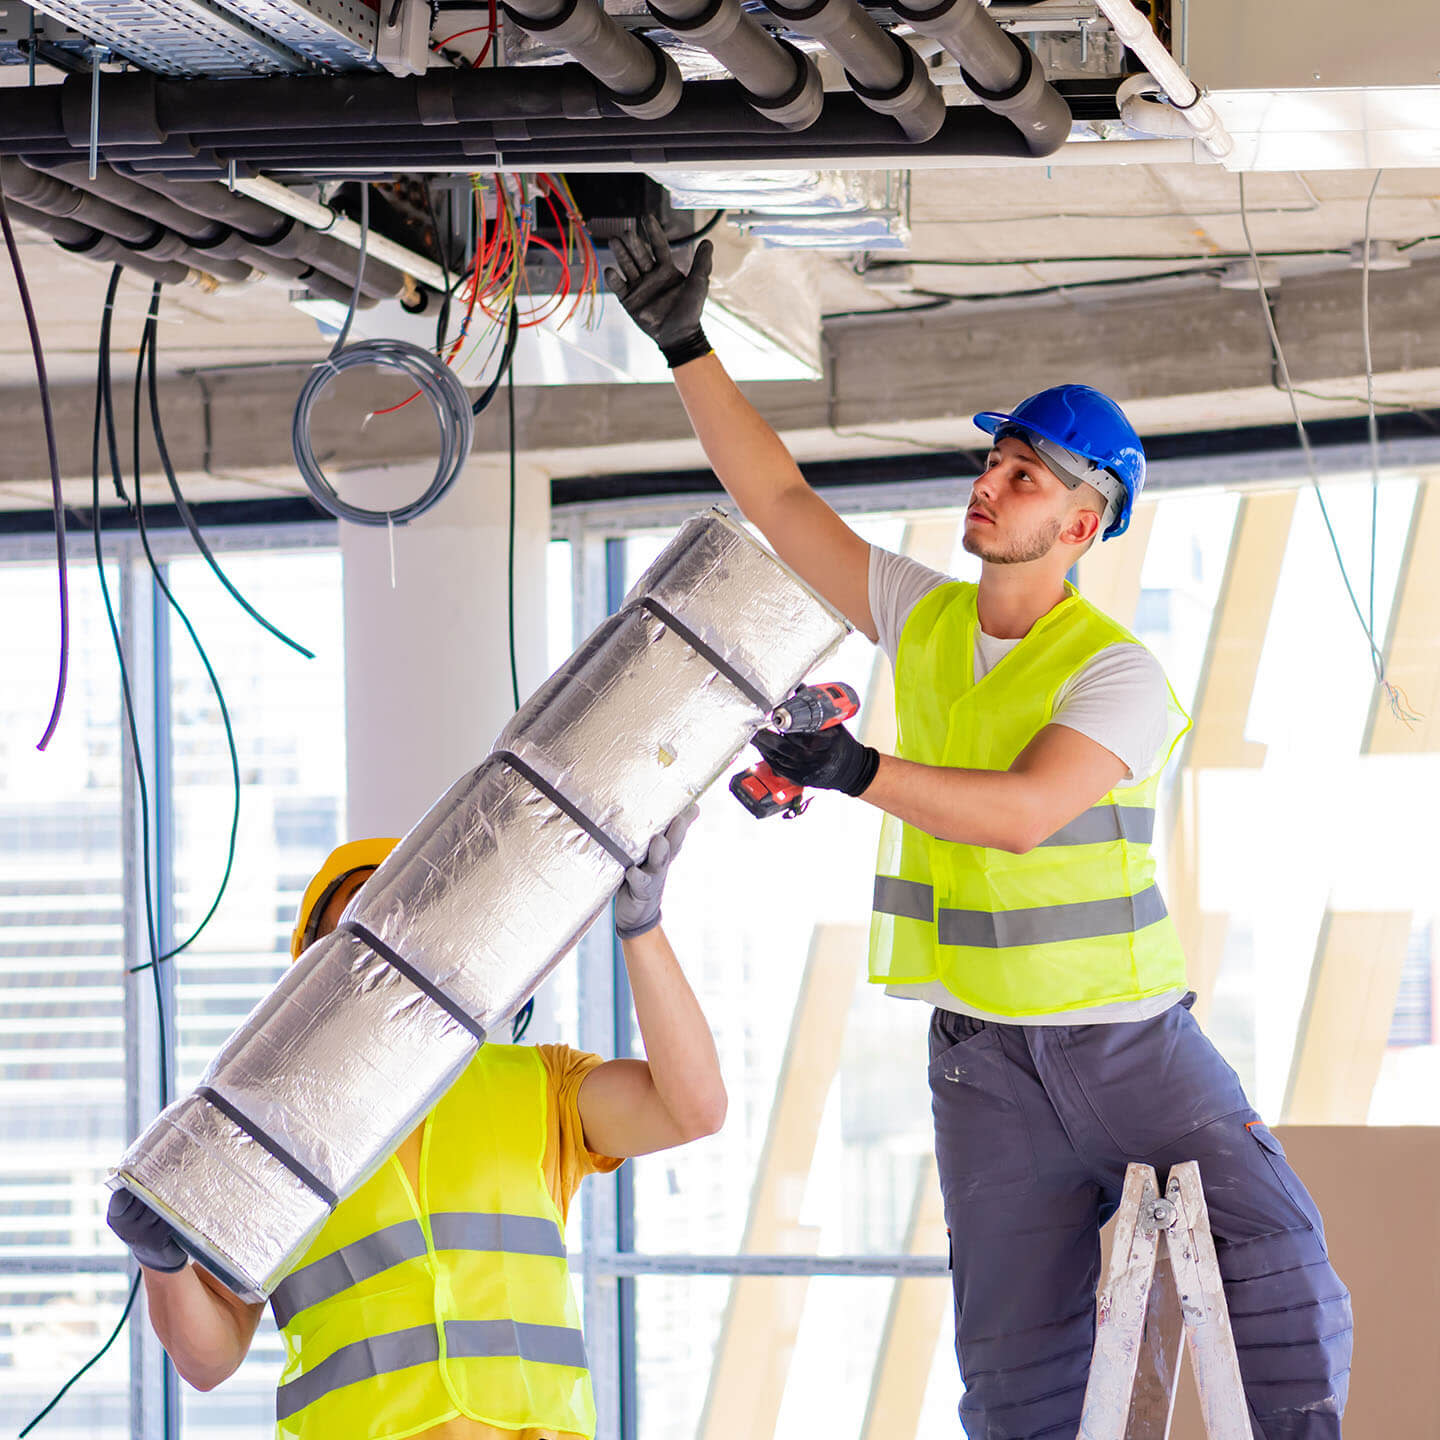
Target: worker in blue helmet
1016	895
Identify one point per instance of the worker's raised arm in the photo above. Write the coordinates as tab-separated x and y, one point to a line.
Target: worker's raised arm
744	451
676	1094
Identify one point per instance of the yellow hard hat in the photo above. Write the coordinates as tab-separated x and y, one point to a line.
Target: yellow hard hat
343	861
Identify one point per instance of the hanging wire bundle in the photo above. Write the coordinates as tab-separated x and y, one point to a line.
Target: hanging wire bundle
492	285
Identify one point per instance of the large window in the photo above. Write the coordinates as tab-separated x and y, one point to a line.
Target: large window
78	1058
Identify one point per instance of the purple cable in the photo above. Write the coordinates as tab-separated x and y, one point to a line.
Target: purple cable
39	353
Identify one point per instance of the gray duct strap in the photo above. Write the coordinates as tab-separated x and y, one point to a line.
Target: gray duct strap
419	981
1047	924
1103	823
907	898
451	1230
739	681
567	806
420	1345
301	1172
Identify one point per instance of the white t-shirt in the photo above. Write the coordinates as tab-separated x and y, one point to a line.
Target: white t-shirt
1119	699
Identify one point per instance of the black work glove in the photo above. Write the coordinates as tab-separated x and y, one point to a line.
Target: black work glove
657	295
151	1240
637	902
830	759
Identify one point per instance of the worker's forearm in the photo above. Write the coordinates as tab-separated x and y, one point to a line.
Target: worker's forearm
995	808
684	1068
746	454
201	1335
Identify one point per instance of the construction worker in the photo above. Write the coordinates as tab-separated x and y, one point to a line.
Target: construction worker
435	1301
1015	893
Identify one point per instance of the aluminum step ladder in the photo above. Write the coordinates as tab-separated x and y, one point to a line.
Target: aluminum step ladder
1152	1303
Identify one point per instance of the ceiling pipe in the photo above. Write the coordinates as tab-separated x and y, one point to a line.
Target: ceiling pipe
643	80
276	233
209	237
138	233
781	82
1135	33
880	67
998	67
92	244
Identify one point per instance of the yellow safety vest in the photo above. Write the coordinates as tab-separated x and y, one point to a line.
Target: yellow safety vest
1077	921
408	1310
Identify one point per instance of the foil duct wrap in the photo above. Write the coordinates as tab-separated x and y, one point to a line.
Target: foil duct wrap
477	904
488	892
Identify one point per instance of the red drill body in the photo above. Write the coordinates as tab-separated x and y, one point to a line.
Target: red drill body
812	707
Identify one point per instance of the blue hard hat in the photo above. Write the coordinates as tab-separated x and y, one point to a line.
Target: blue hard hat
1086	423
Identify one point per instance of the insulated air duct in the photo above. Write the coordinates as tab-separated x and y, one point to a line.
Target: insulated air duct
881	68
1000	69
477	904
782	84
643	80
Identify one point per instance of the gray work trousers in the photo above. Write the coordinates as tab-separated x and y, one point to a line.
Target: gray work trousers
1034	1126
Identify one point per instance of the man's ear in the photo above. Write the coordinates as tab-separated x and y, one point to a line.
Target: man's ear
1082	526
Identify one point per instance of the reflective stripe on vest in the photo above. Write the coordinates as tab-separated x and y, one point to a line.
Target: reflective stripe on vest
464	1339
1001	929
1103	823
338	1271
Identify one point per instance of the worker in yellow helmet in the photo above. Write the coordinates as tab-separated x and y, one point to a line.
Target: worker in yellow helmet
435	1301
1016	893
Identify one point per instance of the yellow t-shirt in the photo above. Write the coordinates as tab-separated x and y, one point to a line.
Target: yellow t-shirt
568	1160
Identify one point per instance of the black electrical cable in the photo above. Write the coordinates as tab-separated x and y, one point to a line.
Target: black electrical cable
147	354
521	1021
507	359
442	321
104	405
699	234
182	506
56	495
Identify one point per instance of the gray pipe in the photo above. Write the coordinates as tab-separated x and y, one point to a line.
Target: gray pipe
781	83
644	81
277	234
211	238
92	244
998	67
880	67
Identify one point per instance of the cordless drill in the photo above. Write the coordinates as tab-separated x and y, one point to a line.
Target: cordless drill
812	707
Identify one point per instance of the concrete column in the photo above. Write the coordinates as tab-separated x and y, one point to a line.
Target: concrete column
427	659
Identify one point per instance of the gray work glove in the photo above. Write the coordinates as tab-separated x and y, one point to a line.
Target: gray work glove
658	296
151	1240
637	902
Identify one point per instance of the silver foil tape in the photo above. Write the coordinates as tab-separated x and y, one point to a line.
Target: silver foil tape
477	904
